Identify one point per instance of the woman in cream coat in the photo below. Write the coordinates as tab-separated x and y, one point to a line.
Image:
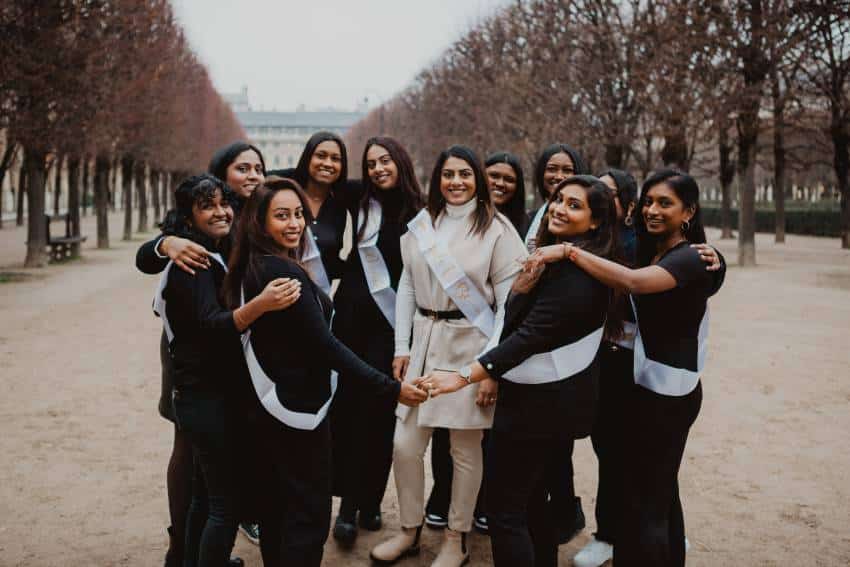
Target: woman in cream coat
460	259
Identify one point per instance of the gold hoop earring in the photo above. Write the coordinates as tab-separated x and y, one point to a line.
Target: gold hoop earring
686	226
628	221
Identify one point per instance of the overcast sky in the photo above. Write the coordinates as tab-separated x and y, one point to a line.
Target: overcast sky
323	53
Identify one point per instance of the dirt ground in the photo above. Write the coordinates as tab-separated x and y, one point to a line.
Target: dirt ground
82	480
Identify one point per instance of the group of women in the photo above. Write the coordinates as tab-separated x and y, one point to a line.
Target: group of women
442	327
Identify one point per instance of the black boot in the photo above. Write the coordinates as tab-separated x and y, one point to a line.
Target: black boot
345	530
370	520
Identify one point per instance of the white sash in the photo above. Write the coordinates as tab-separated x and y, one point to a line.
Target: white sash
454	281
374	265
531	235
563	362
664	379
266	393
312	262
159	300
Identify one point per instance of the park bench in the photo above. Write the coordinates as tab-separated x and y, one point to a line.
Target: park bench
61	248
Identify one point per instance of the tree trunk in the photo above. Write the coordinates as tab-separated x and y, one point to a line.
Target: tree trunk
74	200
22	190
57	184
36	230
779	178
176	176
127	195
113	185
86	185
166	179
8	158
841	161
746	205
141	189
727	174
101	199
154	182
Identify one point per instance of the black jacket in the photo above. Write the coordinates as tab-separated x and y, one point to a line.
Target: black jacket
296	348
566	305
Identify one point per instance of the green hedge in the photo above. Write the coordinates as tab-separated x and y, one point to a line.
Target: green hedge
815	222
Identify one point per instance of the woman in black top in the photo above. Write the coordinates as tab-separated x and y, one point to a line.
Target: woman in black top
669	288
507	188
208	367
361	426
556	163
290	356
322	171
554	319
240	165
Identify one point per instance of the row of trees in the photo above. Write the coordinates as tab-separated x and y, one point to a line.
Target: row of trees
637	84
111	83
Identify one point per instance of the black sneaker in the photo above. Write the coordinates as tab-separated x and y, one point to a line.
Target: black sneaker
436	521
370	521
480	524
250	531
345	532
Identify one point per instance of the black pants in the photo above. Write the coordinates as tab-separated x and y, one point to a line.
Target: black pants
530	504
615	386
652	527
362	428
296	518
212	519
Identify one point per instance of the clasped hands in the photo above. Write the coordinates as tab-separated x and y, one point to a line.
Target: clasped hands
436	383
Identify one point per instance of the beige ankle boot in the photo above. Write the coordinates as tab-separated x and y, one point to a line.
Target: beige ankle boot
403	544
454	552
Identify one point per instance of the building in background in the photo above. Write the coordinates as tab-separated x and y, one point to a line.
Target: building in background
281	135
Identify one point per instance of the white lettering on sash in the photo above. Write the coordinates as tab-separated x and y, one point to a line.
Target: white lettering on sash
562	363
266	393
374	265
662	378
312	262
531	235
159	300
454	281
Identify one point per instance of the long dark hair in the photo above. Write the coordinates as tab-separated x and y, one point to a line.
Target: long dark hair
302	169
579	165
485	211
602	241
252	240
192	190
411	193
687	191
225	156
515	208
626	186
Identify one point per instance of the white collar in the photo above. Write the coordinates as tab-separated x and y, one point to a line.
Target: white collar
460	211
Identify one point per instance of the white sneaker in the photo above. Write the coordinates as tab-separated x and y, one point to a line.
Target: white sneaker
594	554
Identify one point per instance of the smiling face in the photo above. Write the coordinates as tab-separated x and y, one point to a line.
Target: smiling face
559	167
569	213
381	168
501	181
212	217
457	181
663	211
326	163
245	173
285	219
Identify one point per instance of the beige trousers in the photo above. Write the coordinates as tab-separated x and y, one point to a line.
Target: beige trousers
409	445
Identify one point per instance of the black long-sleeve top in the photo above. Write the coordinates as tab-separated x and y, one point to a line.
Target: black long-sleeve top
206	351
566	305
356	310
296	348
